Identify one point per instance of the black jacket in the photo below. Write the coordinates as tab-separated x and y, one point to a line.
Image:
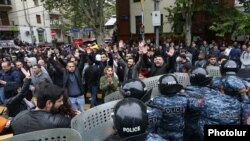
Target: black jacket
13	79
15	104
164	69
30	120
65	72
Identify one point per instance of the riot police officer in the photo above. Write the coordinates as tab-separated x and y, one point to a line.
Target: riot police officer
135	88
222	109
229	67
200	81
173	106
131	120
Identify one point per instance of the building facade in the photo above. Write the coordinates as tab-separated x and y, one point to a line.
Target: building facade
7	31
32	19
28	21
129	19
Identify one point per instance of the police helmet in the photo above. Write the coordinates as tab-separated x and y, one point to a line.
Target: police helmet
199	77
229	67
216	83
130	117
168	84
232	85
134	88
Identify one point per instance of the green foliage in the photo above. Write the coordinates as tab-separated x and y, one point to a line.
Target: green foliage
222	18
183	9
234	22
246	4
82	13
109	8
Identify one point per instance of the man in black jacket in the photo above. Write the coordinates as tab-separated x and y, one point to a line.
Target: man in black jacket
72	81
10	80
19	102
45	116
158	67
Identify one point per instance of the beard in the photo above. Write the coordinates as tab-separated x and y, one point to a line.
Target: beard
54	110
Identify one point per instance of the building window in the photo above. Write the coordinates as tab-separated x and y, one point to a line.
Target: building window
4	19
38	19
5	2
136	0
41	37
138	23
36	2
161	27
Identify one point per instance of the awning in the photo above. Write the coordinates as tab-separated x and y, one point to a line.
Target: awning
110	22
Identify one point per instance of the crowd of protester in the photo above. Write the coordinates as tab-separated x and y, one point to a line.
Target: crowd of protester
28	77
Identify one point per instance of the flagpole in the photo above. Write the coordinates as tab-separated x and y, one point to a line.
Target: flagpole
142	19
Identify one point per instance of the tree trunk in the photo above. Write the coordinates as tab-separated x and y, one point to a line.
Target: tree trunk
188	33
188	23
99	35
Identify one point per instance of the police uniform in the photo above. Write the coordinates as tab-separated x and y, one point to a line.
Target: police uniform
130	121
172	106
141	137
154	116
171	124
224	109
135	88
193	117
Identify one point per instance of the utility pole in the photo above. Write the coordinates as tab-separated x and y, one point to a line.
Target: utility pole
142	26
44	24
157	28
28	22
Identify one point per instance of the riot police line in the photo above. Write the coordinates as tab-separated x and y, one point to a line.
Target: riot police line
178	115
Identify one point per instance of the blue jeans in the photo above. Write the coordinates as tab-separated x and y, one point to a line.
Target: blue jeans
2	96
93	90
77	103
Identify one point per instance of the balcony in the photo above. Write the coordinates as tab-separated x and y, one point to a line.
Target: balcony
55	26
55	23
5	5
55	13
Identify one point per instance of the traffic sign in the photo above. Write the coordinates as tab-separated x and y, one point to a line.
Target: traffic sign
88	29
73	30
53	33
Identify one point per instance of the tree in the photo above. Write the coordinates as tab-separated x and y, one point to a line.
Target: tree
83	13
246	4
182	12
234	22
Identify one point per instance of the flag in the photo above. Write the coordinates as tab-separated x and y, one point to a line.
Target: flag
142	5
